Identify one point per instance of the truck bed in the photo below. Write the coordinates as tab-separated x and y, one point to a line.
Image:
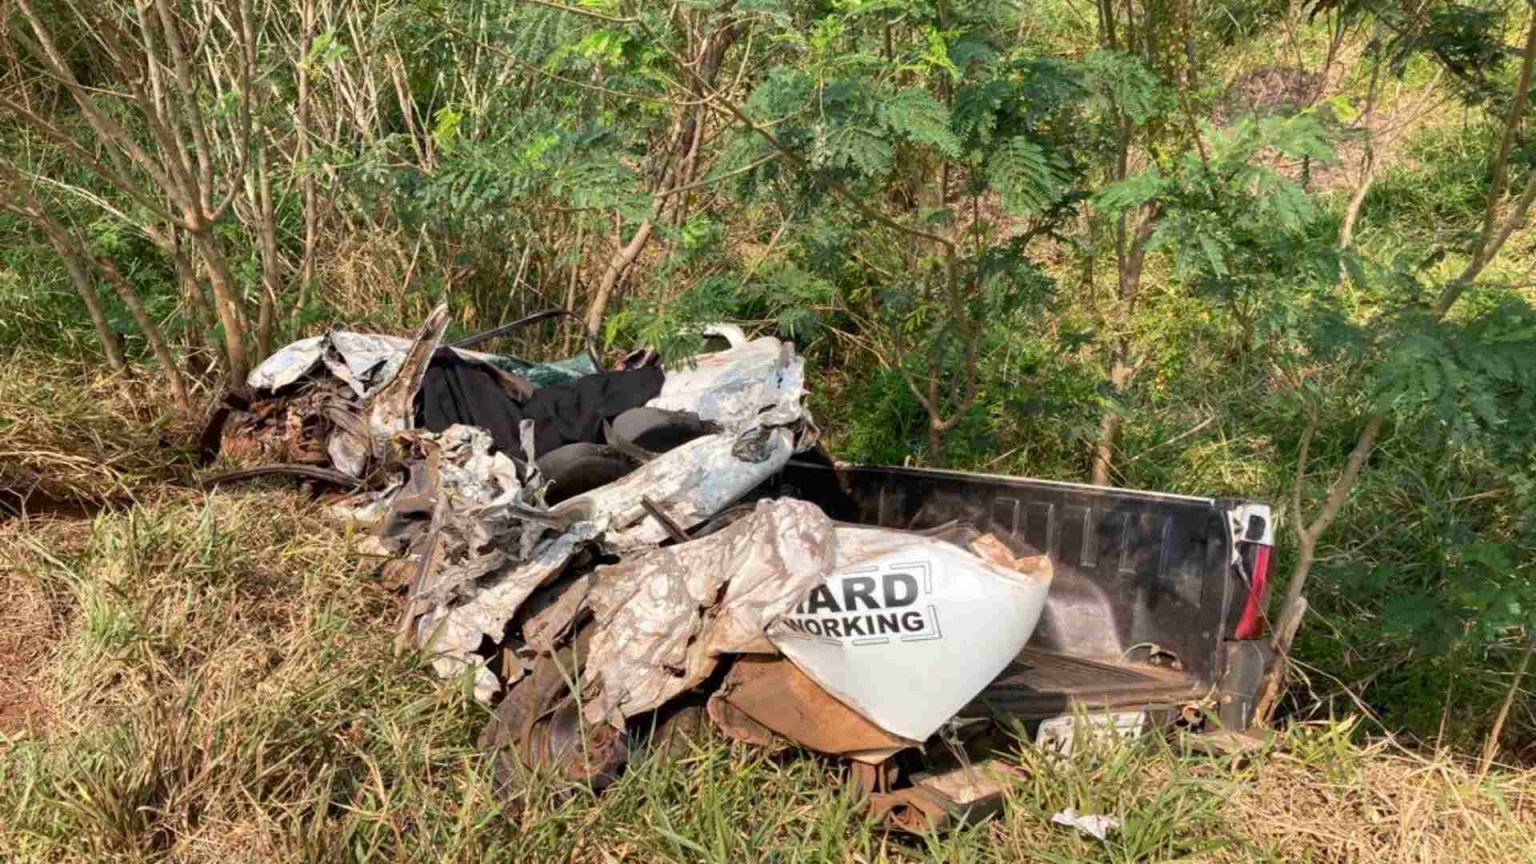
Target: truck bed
1136	573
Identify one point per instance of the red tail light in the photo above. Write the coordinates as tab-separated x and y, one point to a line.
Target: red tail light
1251	624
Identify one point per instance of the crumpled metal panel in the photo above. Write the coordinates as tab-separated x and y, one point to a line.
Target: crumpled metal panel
363	361
452	633
690	483
662	620
392	408
545	630
775	694
734	386
288	363
480	542
482	574
476	559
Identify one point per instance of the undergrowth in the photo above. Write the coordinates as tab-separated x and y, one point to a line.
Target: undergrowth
74	435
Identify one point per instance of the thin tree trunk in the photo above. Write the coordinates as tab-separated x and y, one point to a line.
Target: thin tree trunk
151	331
687	126
271	263
302	131
197	305
23	201
73	256
111	345
570	286
1103	450
1295	604
1491	744
1356	201
616	266
1120	373
1338	493
225	301
1130	258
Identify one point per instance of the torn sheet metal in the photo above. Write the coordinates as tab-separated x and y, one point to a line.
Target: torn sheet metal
663	617
345	418
456	518
452	633
392	407
777	696
549	627
690	483
907	629
362	361
735	386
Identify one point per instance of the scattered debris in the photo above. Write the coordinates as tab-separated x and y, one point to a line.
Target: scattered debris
937	801
1068	732
1097	827
666	616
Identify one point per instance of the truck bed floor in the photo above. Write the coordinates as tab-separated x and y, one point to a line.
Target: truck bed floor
1046	684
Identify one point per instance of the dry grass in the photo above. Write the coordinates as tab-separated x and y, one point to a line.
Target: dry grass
30	622
209	678
1324	798
74	436
221	687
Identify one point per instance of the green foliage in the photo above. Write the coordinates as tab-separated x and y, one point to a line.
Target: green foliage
942	221
1023	176
913	114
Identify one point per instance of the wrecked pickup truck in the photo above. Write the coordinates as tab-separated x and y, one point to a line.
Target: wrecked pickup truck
613	558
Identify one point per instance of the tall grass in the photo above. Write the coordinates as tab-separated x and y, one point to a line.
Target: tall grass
220	686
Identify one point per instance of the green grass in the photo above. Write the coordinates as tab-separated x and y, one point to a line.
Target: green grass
219	685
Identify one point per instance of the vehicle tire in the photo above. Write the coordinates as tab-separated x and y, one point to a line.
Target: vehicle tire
657	430
581	467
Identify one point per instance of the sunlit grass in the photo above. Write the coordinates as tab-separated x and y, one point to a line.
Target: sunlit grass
221	687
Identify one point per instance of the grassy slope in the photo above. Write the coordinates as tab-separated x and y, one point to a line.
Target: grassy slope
210	678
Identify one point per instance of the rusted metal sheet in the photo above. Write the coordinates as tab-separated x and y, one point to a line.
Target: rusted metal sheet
290	430
540	725
780	698
738	726
367	390
546	629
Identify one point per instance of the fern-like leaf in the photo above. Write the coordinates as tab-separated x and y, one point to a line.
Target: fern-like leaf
1023	174
912	113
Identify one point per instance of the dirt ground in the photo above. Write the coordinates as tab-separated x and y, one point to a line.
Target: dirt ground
29	625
